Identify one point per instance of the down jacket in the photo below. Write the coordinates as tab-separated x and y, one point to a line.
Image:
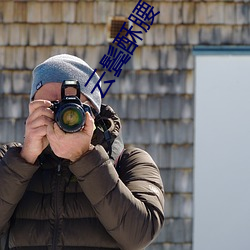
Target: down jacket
98	202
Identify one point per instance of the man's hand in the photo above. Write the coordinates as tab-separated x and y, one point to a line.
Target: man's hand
71	146
35	141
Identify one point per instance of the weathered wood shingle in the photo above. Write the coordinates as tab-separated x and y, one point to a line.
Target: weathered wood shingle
34	11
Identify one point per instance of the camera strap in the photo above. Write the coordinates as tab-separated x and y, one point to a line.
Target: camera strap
106	133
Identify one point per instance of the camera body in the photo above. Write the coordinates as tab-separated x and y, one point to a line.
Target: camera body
70	112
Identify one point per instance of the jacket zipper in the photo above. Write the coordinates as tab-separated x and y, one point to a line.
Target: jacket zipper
56	232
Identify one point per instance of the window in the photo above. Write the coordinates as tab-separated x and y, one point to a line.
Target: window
114	25
222	149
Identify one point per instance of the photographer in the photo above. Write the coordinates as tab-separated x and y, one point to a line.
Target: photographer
75	189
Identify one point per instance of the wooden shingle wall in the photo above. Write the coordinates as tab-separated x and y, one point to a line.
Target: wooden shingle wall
153	95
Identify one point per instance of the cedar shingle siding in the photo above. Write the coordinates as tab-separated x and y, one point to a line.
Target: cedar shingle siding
154	93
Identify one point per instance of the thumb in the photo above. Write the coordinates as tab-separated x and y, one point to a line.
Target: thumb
89	124
50	129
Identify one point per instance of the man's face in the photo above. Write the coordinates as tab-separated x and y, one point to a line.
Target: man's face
52	92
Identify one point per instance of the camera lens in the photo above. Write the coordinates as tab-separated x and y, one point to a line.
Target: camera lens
70	117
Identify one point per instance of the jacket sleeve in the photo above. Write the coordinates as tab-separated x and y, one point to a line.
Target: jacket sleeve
128	204
15	174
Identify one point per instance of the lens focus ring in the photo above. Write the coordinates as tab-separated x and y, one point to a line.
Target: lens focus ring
70	117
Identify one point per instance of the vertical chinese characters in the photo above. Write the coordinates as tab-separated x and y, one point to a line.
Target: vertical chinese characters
142	16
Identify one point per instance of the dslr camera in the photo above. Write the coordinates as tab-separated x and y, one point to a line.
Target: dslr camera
70	112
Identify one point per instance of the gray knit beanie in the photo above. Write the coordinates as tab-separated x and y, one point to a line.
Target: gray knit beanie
67	67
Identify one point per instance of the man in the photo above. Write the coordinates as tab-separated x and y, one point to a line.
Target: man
78	190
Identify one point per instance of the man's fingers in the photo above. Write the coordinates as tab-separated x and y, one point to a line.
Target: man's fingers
36	133
39	131
38	103
40	112
39	121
